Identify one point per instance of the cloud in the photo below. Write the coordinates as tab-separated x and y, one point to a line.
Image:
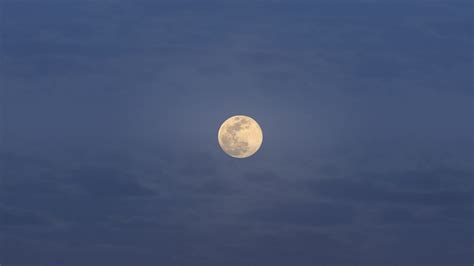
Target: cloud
112	111
305	214
369	191
17	217
109	183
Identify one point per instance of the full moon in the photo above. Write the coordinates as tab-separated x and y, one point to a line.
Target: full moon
240	136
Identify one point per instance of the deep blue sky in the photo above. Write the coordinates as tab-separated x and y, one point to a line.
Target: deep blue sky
110	111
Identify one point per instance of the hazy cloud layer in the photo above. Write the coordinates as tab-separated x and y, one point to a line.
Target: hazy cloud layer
111	112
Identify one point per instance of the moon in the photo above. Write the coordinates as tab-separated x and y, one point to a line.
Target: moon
240	136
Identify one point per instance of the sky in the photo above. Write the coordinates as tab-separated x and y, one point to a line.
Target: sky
109	119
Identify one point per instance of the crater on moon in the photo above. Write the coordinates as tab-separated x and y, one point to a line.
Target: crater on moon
240	136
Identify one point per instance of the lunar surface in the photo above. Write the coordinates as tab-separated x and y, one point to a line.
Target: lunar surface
240	136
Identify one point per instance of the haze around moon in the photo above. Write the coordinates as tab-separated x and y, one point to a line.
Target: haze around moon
240	136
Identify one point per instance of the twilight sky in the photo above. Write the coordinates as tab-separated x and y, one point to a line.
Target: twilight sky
109	119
